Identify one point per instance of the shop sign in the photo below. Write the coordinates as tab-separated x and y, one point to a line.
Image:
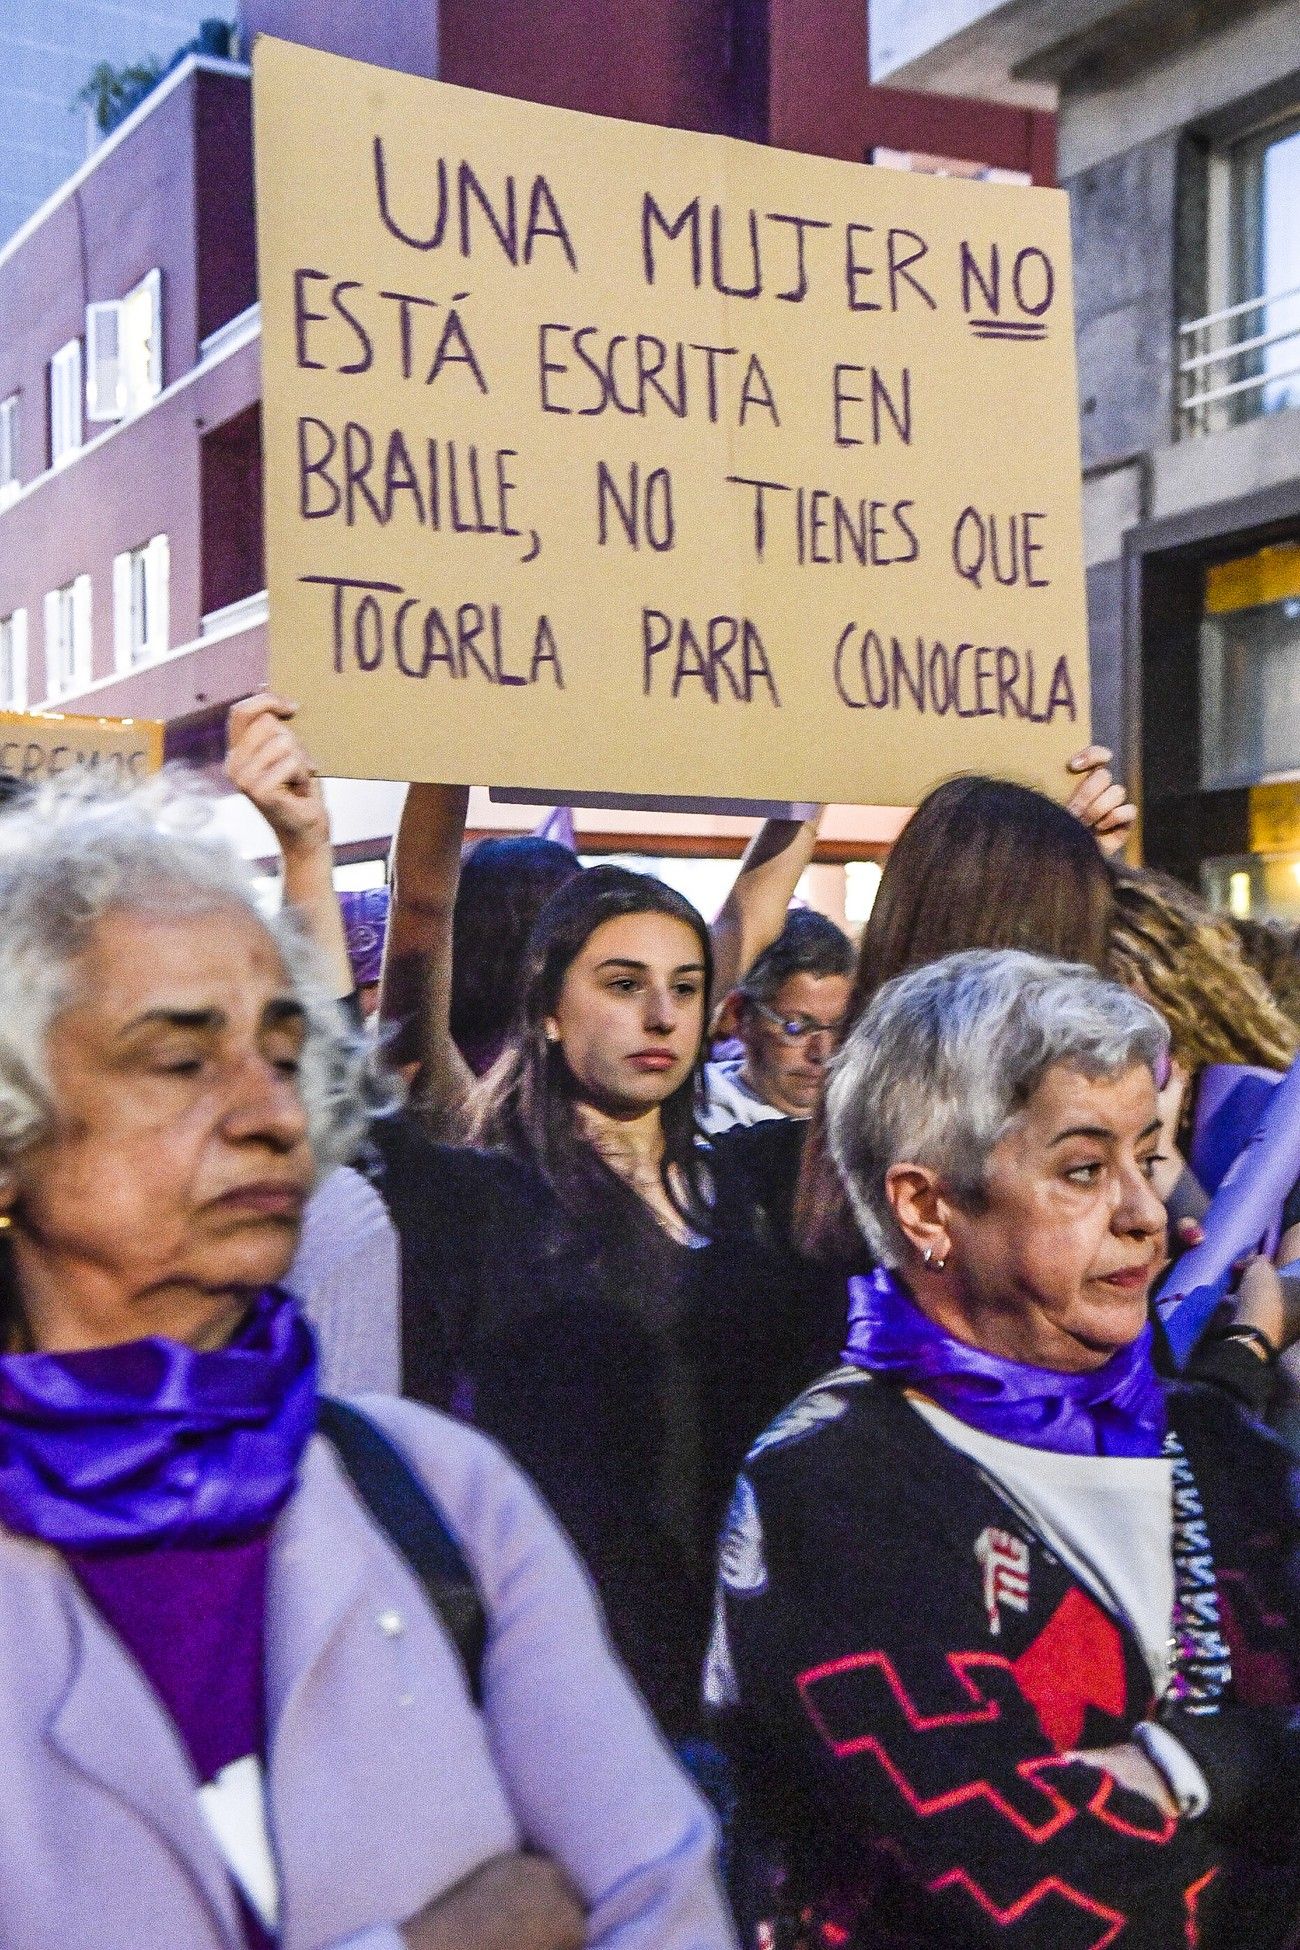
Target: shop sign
36	746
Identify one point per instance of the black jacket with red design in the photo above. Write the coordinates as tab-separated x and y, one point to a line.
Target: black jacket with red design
907	1754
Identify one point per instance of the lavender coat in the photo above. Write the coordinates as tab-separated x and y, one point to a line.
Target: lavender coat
385	1786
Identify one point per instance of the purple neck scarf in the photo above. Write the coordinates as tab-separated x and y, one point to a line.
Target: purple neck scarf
1117	1410
155	1443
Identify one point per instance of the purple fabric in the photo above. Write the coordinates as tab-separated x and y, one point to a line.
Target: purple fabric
481	1055
365	922
154	1443
558	826
1243	1216
1230	1100
1117	1410
195	1620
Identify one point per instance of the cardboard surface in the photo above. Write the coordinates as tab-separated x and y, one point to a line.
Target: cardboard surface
609	459
39	745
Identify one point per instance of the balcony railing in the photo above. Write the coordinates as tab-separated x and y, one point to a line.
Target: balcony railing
1230	366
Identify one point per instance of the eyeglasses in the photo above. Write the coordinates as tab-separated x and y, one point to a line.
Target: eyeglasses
796	1029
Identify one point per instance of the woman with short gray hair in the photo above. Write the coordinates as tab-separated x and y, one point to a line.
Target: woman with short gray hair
1006	1631
261	1687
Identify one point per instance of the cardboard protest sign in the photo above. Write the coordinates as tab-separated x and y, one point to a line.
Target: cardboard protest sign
40	745
612	459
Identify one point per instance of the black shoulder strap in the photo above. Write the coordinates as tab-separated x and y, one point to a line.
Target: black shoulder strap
414	1525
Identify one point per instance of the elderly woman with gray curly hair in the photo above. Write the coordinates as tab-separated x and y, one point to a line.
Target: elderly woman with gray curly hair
1007	1642
234	1708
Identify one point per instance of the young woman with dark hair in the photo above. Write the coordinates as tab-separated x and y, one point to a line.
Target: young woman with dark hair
460	923
553	1268
562	1095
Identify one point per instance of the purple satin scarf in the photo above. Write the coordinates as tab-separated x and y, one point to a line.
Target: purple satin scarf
1117	1410
155	1443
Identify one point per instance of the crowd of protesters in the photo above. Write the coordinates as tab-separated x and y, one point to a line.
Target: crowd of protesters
528	1419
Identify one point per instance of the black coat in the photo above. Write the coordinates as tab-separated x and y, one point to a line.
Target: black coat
907	1756
629	1402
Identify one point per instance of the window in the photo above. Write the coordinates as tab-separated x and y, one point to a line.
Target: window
8	449
1243	357
124	351
1250	668
1265	244
13	661
65	402
67	639
140	603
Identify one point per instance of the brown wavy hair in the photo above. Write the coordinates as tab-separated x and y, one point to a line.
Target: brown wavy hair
1273	949
1171	947
981	864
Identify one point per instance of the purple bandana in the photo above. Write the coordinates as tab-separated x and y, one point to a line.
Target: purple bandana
365	922
155	1443
1117	1410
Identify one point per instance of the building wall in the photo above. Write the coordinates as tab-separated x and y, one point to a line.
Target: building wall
225	243
142	480
133	213
170	179
675	65
821	100
1123	219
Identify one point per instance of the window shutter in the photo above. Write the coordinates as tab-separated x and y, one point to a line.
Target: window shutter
65	401
157	569
152	286
123	631
18	701
104	387
53	657
81	645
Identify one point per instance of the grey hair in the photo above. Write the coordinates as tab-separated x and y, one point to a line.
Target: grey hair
76	850
944	1059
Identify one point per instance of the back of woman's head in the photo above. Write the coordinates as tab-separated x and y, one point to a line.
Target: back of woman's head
1168	945
504	885
981	863
525	1105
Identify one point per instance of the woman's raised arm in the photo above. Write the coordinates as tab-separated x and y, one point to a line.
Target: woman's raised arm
267	762
415	992
754	912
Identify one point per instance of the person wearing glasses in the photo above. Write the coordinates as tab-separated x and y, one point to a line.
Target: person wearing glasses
788	1014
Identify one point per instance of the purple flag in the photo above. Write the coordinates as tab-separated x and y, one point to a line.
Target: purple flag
1244	1213
558	826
